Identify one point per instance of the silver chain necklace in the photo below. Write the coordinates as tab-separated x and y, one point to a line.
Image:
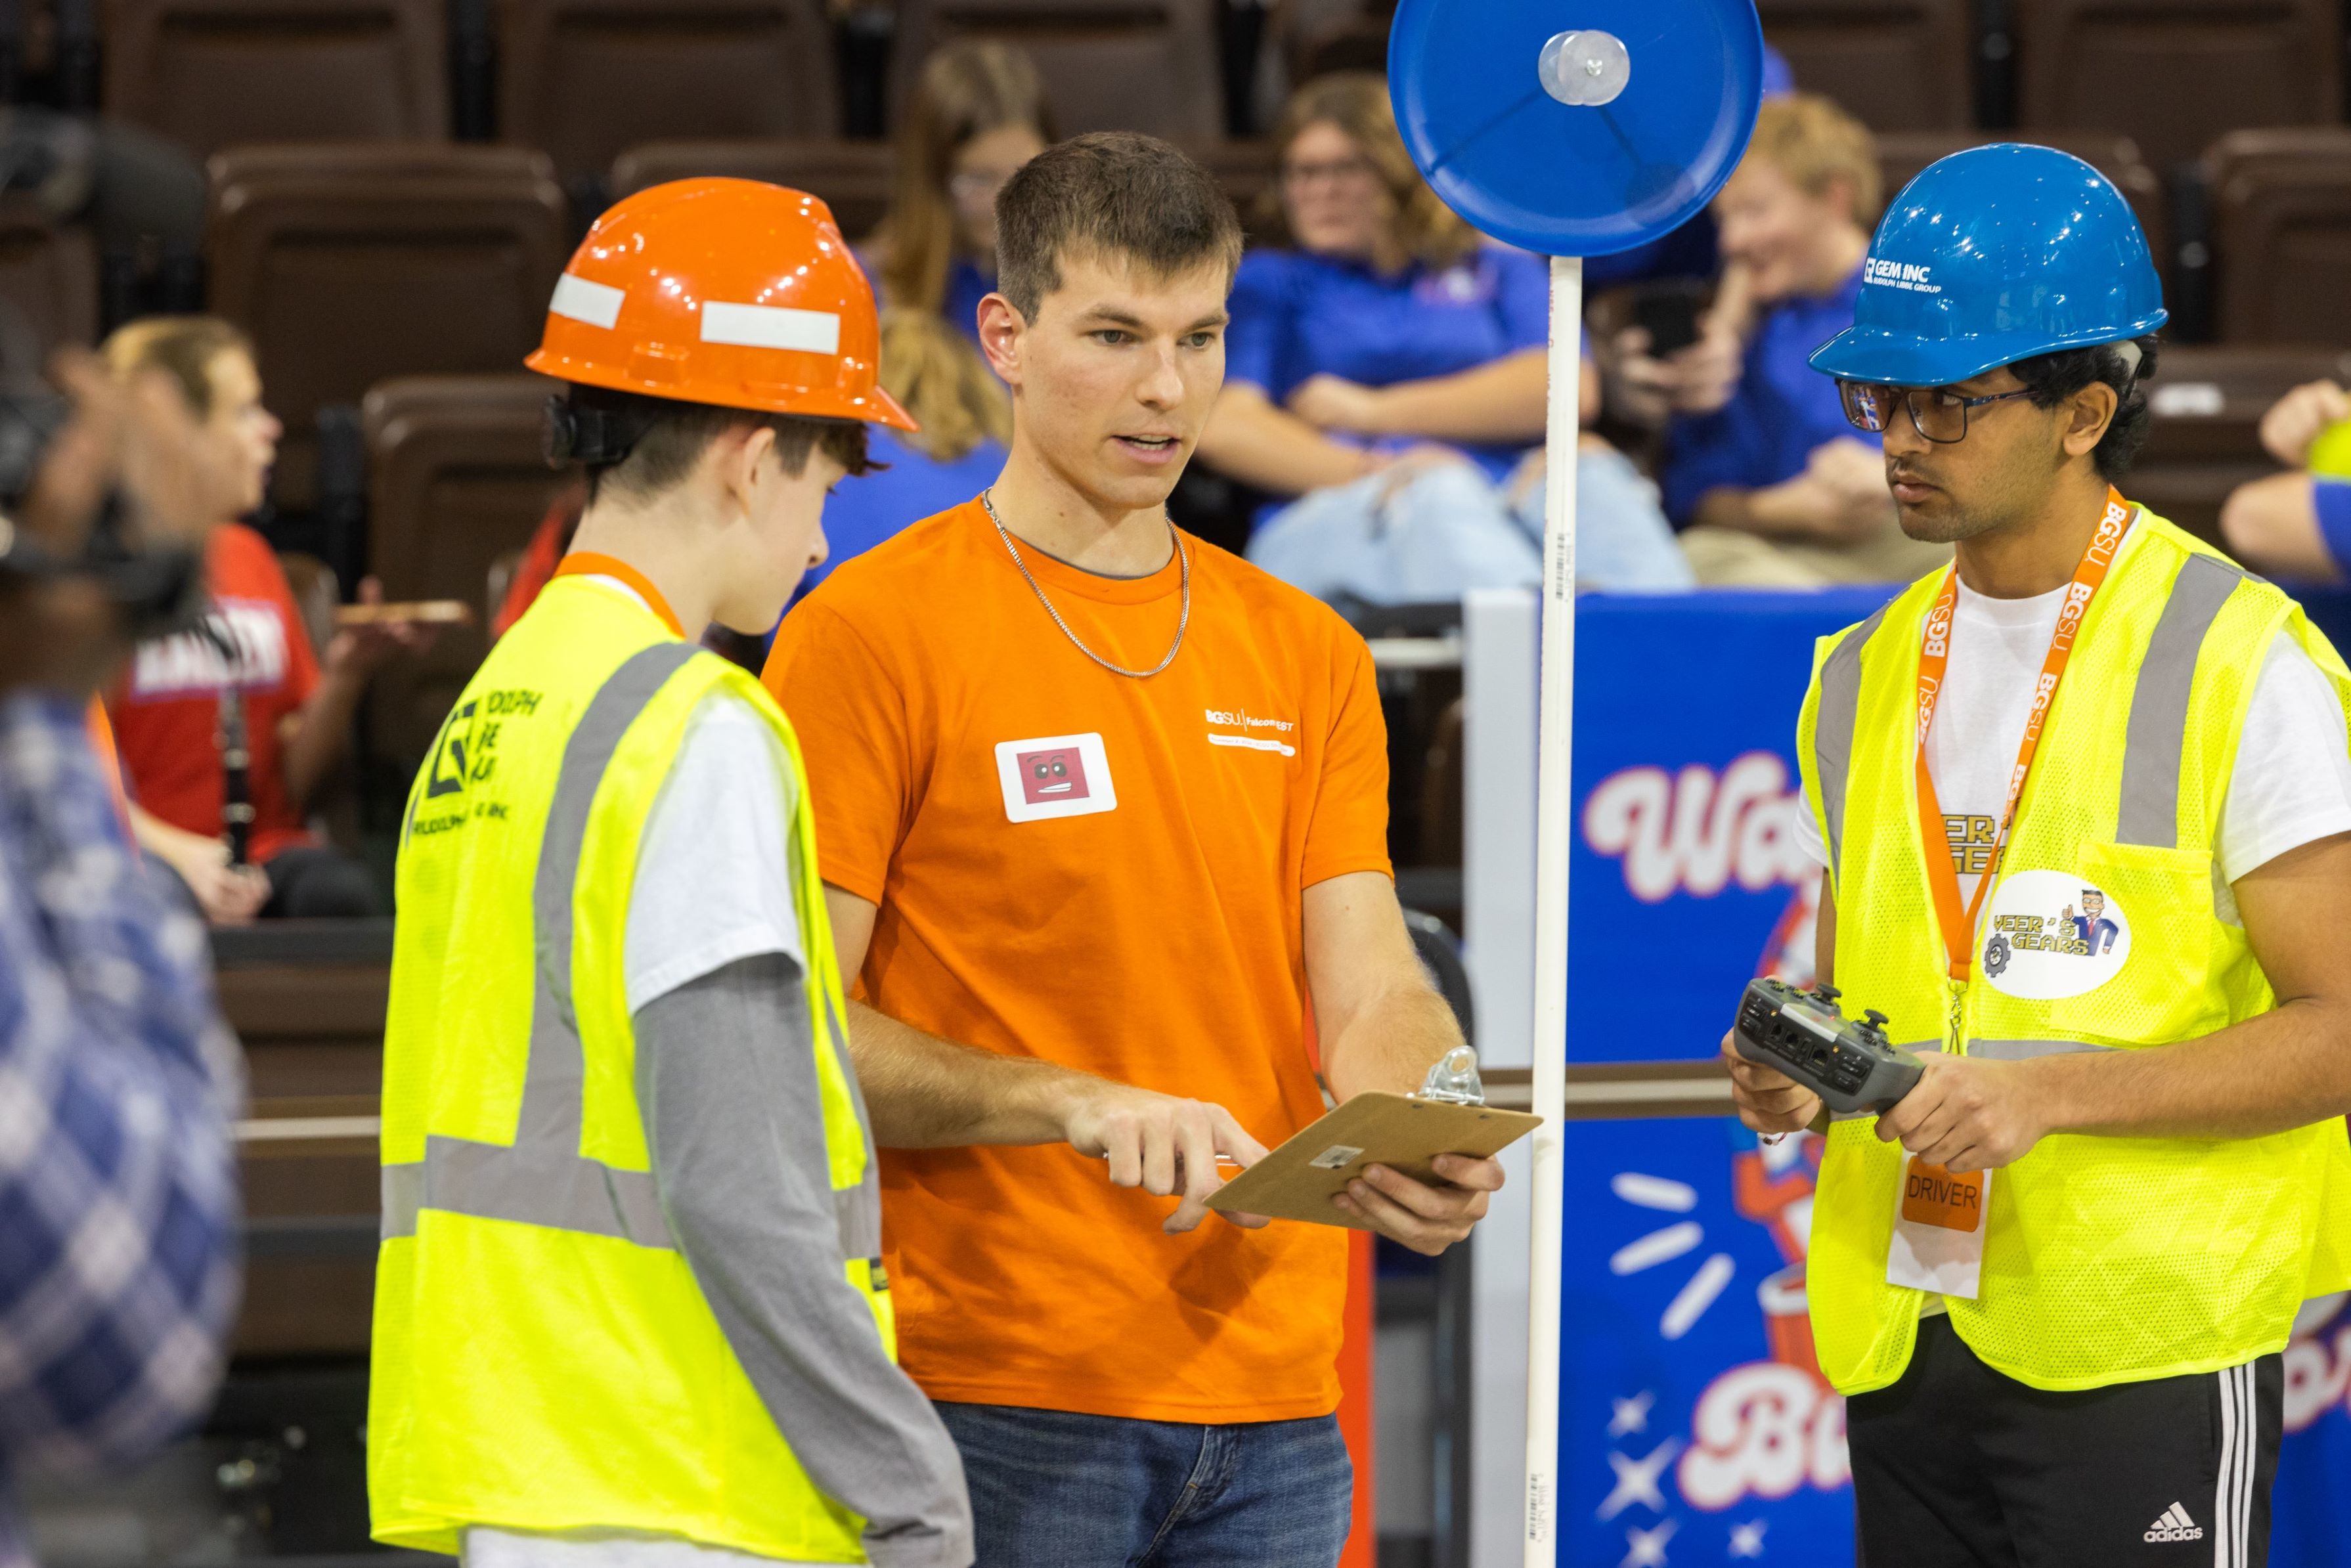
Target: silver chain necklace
1183	557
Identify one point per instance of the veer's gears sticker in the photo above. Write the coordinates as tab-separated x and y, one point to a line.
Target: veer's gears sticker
2049	934
1054	776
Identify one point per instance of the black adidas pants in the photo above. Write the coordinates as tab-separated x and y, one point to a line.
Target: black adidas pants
1956	1465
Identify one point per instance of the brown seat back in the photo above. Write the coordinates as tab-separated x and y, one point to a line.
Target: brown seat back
2205	438
2281	226
2174	74
456	480
211	74
1901	154
1108	64
586	79
1896	64
49	281
852	177
1247	170
350	265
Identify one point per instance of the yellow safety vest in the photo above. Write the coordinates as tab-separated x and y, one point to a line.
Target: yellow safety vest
2105	1259
543	1359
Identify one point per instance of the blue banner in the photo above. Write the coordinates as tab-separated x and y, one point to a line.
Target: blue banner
1696	1428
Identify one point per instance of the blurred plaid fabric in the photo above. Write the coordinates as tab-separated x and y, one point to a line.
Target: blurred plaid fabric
119	1218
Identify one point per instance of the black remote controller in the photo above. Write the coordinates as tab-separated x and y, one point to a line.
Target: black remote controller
1803	1034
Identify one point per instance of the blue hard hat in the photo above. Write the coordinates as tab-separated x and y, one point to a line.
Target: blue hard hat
1993	255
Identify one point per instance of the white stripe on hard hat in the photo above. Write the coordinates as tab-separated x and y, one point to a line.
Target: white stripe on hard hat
771	326
597	304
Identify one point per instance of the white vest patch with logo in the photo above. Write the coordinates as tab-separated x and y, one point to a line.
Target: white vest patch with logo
2049	934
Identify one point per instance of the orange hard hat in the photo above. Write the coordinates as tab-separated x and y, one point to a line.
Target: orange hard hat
731	292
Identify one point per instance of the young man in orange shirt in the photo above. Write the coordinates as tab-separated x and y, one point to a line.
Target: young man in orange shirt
1102	813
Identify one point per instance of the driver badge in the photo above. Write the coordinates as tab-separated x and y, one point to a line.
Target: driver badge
2050	935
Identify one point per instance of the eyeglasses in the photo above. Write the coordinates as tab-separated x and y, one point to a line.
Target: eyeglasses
977	187
1936	413
1341	170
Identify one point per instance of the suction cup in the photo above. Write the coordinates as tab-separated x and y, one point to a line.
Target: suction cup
1576	127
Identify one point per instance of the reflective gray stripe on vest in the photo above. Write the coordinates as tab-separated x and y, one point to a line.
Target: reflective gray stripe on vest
2157	741
542	1178
2031	1050
1992	1050
1834	722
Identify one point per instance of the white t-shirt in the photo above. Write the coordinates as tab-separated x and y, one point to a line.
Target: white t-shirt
714	880
480	1546
715	868
2293	778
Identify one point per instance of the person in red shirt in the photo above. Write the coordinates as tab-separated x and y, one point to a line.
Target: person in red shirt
168	710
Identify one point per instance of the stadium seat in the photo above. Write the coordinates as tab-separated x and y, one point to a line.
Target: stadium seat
1108	64
1902	153
48	285
2174	74
211	74
350	265
457	480
1443	795
853	177
1246	170
1354	41
585	79
1898	65
307	1002
2280	221
2205	438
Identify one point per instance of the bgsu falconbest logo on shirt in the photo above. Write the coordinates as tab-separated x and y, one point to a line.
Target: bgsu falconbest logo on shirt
2049	934
1055	776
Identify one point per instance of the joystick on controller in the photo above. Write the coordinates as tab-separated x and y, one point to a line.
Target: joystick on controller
1803	1034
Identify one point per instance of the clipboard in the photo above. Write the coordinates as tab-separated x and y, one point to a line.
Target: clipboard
424	612
1404	1133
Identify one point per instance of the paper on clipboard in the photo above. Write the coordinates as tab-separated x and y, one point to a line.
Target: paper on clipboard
1298	1180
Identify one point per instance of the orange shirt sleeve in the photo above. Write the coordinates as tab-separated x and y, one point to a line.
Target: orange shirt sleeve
1349	829
102	741
851	714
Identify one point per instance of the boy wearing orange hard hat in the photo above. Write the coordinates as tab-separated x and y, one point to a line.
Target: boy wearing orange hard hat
629	1305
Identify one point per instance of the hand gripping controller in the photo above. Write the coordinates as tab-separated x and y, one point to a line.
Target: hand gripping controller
1802	1034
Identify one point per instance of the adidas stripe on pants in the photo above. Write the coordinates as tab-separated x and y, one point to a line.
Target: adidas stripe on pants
1956	1465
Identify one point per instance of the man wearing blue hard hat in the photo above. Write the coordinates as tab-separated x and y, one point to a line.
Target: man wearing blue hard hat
2054	1279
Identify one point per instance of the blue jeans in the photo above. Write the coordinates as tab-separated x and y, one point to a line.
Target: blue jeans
1450	529
1053	1490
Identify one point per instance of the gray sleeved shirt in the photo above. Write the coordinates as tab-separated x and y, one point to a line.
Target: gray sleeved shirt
725	1078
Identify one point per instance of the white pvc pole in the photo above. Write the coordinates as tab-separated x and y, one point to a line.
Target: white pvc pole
1554	822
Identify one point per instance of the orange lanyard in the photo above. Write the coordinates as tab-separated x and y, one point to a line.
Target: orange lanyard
1958	923
590	563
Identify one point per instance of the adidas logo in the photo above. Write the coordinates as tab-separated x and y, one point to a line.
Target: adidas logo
2175	1525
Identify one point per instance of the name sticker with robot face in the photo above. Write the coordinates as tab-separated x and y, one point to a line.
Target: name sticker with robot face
2049	934
1054	776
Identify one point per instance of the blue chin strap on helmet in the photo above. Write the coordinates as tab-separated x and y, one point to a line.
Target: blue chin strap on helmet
1993	255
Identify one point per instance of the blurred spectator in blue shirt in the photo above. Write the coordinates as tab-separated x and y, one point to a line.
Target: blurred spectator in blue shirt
2297	525
976	115
118	1213
1769	484
965	415
1688	251
1390	370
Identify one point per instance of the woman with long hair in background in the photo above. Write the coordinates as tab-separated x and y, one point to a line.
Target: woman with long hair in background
1387	367
977	114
